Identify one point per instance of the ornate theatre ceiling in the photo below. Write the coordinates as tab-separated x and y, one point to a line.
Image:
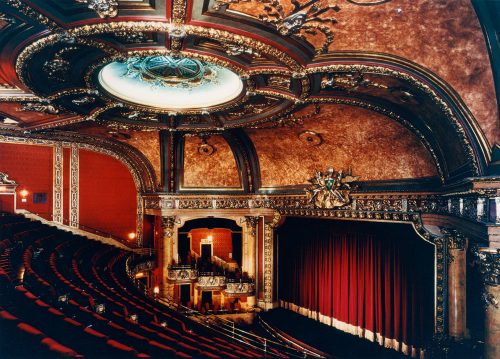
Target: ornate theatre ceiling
144	72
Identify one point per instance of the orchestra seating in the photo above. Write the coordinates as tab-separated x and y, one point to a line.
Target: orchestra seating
66	295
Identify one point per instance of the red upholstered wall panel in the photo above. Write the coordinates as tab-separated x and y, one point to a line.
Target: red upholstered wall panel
107	194
6	203
31	167
222	241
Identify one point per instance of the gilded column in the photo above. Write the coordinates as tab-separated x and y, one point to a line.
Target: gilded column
457	274
488	261
168	226
57	197
74	188
249	258
268	262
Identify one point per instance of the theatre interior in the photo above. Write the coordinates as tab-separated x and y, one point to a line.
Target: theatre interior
250	179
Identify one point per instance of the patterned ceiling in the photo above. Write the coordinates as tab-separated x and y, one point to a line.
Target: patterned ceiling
422	64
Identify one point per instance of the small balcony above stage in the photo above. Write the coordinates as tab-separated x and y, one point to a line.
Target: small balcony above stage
182	274
236	288
211	281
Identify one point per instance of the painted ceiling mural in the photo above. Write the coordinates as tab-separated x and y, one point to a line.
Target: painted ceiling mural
259	77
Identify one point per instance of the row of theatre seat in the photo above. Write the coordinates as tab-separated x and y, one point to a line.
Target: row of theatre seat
53	285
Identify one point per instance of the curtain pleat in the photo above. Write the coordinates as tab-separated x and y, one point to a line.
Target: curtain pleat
371	281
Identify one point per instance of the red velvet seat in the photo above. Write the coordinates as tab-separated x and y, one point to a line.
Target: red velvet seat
95	333
73	322
183	355
120	346
59	348
55	312
30	329
7	316
161	346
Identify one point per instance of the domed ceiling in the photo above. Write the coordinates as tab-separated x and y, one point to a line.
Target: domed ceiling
151	75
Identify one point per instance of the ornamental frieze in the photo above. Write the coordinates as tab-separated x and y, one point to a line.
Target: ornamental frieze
471	206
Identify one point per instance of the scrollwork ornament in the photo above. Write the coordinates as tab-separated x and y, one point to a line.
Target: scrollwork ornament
488	264
305	19
4	179
45	107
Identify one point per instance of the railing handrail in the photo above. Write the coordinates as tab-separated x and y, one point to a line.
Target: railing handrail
229	329
223	326
89	229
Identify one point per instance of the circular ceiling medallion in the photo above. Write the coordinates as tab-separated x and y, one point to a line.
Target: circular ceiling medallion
206	149
311	138
166	83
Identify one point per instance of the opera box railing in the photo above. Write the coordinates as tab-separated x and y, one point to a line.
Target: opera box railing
235	288
209	281
182	273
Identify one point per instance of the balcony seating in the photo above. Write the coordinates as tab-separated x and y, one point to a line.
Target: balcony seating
51	309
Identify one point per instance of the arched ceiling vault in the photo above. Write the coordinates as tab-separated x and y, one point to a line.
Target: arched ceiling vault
284	54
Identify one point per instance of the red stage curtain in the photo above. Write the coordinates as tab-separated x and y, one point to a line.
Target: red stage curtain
372	280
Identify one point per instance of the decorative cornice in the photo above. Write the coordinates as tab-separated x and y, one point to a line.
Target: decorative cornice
32	14
103	8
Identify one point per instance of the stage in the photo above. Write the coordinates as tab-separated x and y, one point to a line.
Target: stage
338	344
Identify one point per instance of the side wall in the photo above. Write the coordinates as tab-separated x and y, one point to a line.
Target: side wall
106	193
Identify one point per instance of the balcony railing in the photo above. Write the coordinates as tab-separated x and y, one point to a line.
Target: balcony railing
182	274
236	288
207	281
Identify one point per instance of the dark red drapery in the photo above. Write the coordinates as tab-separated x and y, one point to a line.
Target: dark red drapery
372	280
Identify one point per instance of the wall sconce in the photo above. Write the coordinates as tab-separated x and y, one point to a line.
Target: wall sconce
131	236
156	290
210	237
24	193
